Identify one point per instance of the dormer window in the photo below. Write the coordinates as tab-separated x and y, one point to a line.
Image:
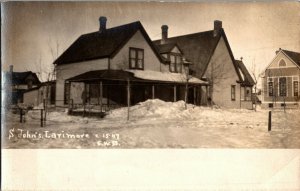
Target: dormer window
282	63
136	58
175	63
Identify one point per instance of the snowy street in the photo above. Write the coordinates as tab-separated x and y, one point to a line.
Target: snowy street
157	124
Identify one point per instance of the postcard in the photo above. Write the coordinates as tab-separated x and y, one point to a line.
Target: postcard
151	77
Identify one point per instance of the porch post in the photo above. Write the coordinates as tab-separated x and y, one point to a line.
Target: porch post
175	96
206	89
195	95
128	98
153	92
101	96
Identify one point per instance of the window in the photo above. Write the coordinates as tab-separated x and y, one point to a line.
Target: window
247	94
136	58
233	92
172	63
296	88
282	86
67	93
282	63
175	63
270	87
178	64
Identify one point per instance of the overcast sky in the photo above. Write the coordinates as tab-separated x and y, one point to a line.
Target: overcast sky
254	30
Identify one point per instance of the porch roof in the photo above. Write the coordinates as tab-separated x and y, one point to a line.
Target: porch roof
134	75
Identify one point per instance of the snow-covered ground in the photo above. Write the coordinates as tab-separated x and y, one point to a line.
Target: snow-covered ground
157	124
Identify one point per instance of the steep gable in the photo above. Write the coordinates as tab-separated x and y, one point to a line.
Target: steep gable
291	59
247	78
199	48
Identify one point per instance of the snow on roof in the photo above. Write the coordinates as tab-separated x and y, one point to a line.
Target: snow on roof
164	76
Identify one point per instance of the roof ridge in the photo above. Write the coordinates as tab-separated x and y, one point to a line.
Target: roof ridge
186	35
115	27
290	51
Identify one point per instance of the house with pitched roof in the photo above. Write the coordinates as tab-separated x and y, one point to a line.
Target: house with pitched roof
114	66
213	61
17	83
280	80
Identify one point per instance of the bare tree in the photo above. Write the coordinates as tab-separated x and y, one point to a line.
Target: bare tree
216	74
123	65
187	78
255	77
51	74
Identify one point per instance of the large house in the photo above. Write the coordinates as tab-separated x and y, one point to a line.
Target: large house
118	65
280	80
99	67
212	60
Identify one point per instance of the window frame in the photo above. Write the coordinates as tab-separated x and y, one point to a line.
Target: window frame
282	92
280	61
177	56
233	93
136	51
295	93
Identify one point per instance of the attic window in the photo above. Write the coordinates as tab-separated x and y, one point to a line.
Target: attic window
175	63
282	63
136	58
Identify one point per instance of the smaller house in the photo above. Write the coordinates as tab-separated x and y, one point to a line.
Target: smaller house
280	80
36	96
212	61
18	82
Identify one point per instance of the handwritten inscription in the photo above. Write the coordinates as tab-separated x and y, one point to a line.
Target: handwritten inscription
102	139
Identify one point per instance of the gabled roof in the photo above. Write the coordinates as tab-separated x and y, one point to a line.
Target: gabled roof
247	80
20	77
104	44
295	56
199	48
166	48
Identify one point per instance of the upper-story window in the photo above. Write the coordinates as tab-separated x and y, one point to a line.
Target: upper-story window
136	58
175	63
282	63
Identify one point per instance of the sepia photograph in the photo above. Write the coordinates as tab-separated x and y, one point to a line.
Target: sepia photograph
150	75
150	95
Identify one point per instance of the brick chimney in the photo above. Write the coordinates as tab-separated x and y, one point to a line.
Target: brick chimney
217	27
102	23
164	34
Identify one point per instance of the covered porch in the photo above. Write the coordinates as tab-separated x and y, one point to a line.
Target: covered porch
97	92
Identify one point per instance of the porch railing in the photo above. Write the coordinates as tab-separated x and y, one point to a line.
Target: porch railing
93	108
